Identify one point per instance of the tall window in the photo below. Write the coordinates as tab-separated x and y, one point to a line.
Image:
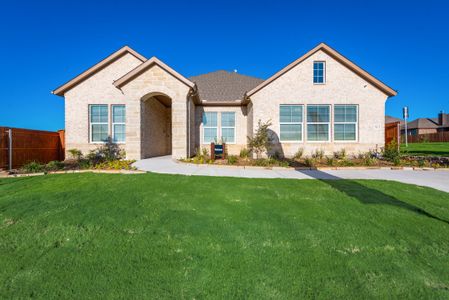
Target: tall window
228	127
99	126
318	122
345	122
290	119
210	127
319	69
118	123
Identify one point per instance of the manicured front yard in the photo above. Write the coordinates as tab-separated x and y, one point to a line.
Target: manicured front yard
167	236
426	149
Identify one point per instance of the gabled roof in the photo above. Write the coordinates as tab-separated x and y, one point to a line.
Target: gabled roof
337	56
143	67
390	119
223	86
423	123
94	69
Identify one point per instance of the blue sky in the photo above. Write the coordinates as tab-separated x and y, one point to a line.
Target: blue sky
45	43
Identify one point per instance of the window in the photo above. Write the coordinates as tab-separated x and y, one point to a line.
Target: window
99	126
319	72
210	130
318	117
290	121
345	122
228	127
118	123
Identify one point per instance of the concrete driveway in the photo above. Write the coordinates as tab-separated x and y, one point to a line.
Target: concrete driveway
165	164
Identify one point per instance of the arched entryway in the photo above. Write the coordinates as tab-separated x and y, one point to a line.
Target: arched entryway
156	125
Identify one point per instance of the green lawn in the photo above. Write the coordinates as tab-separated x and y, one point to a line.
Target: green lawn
166	236
426	149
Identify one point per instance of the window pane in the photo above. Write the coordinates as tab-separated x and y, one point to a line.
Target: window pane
339	113
317	113
99	113
119	133
228	119
345	132
317	132
228	135
351	113
345	113
285	114
99	132
118	114
291	132
210	134
210	119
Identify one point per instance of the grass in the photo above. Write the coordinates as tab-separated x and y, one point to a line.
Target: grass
426	149
167	236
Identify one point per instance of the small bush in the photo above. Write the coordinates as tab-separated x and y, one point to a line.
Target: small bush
76	154
340	154
318	154
232	159
396	161
54	166
33	167
106	152
244	153
391	152
205	152
310	162
330	161
298	154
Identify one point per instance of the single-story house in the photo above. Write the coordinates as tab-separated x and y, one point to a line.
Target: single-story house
427	125
322	101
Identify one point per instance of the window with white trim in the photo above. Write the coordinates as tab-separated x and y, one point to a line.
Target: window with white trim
228	127
99	125
318	122
290	123
210	127
345	122
118	123
319	72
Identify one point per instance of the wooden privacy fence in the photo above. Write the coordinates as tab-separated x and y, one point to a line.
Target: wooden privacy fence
392	133
22	146
438	137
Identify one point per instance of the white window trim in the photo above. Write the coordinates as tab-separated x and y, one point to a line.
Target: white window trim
330	134
356	125
204	127
324	72
227	127
292	123
117	123
96	123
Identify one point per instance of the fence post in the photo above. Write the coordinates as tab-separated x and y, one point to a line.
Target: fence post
10	149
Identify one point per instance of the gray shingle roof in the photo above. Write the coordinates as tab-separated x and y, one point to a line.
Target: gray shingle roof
390	119
224	86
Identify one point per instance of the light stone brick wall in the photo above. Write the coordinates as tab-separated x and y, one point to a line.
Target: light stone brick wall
156	136
342	87
240	126
156	81
97	89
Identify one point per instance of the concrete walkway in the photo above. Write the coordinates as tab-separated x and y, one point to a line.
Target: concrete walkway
165	164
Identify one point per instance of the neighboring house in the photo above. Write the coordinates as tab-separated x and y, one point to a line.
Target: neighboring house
390	119
320	101
427	125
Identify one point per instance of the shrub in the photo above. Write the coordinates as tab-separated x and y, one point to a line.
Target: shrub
298	154
310	162
261	141
244	153
76	154
391	151
33	167
330	161
421	163
106	152
340	154
205	152
318	154
396	161
54	166
232	159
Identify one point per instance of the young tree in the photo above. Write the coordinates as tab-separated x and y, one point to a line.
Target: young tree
261	141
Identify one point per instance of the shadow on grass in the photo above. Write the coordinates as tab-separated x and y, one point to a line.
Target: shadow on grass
365	194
